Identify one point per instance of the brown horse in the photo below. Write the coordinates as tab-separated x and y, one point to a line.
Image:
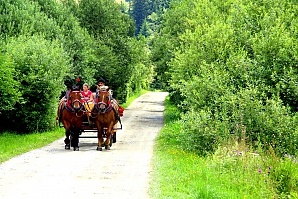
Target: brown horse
70	114
105	116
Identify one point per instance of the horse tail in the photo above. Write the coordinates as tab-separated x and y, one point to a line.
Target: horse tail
61	107
117	119
117	116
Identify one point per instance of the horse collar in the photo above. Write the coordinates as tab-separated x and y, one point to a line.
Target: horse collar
110	107
70	108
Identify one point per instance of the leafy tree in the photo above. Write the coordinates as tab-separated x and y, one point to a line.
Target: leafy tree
104	19
24	17
140	11
78	43
113	31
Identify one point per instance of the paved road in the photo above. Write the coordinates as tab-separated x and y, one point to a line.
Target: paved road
122	172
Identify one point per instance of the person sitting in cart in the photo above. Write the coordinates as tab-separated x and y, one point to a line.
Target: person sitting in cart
86	93
88	100
101	85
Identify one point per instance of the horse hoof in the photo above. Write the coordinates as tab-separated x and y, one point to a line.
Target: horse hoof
67	146
76	149
99	148
107	147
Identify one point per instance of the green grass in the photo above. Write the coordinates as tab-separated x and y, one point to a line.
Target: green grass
132	98
232	172
12	144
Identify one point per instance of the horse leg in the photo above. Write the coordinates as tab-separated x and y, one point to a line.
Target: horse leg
67	134
100	138
74	138
67	140
108	135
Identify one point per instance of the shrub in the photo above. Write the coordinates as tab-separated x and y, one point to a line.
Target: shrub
201	132
41	65
259	120
9	87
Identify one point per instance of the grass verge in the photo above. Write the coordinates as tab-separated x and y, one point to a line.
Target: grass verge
13	144
232	172
132	98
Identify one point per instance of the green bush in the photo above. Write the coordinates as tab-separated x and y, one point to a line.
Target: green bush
234	64
25	17
260	121
9	87
41	66
201	132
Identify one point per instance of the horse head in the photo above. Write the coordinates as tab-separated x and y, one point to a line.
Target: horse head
103	101
74	100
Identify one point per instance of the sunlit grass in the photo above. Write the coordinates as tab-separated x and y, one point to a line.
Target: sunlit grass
234	171
12	144
132	98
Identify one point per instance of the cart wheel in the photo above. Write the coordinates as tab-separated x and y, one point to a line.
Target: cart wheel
114	137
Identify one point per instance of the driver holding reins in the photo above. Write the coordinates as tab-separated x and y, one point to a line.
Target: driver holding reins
101	85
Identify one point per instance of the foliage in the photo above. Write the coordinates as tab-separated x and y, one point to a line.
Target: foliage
118	56
233	170
41	66
143	69
231	69
143	11
103	18
9	87
24	17
140	10
77	42
165	42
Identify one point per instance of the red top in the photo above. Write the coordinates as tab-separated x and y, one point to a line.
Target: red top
86	95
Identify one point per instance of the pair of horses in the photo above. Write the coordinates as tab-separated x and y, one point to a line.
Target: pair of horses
72	113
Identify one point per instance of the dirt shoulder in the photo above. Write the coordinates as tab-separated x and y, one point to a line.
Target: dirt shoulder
122	172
